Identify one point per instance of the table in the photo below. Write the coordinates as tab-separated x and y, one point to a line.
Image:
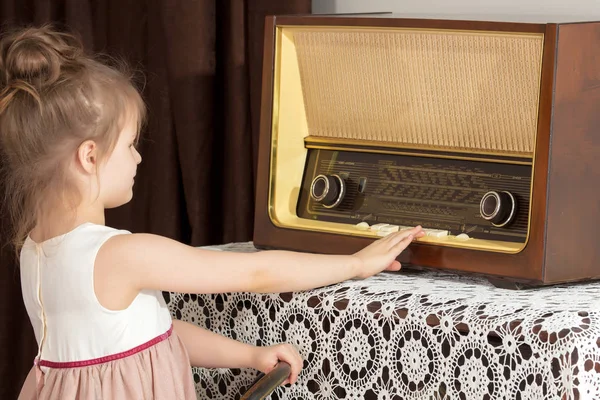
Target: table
412	335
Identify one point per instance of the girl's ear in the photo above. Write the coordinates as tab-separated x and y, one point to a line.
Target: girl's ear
87	156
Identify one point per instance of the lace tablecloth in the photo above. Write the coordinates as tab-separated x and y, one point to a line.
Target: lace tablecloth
412	336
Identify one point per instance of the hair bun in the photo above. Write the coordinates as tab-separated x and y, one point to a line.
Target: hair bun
37	56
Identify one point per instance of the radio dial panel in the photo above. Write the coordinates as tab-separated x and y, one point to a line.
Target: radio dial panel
469	197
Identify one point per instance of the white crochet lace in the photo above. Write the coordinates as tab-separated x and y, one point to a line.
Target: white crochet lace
489	343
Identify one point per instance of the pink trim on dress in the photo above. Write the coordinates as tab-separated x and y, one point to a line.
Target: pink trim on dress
112	357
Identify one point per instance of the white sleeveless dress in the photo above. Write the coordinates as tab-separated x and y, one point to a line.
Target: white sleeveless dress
86	351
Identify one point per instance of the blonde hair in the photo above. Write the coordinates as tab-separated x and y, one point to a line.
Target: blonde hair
53	97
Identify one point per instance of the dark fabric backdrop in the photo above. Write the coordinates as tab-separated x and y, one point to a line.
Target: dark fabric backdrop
202	63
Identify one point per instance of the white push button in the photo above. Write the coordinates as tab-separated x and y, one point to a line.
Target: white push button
363	226
390	228
436	233
377	227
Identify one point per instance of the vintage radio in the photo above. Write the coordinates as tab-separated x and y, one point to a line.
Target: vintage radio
484	133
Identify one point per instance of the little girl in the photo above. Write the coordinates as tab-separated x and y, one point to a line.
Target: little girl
69	125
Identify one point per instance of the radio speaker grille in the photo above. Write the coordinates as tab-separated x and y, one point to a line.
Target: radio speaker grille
454	90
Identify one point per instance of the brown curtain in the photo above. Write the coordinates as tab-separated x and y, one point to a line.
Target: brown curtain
202	63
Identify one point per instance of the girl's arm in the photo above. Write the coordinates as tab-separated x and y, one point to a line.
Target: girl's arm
143	261
211	350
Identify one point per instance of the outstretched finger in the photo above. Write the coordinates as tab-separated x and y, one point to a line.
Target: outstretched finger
402	235
402	244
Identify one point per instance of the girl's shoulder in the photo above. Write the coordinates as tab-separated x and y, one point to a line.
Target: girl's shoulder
90	227
86	236
82	230
95	234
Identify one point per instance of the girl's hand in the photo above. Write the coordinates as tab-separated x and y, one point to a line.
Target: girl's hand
266	358
381	254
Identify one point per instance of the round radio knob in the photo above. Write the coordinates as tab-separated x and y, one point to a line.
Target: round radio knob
498	207
329	190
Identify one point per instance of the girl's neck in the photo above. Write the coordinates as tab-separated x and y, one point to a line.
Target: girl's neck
56	221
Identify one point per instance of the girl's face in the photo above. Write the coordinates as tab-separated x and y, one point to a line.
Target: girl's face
118	171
